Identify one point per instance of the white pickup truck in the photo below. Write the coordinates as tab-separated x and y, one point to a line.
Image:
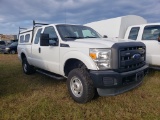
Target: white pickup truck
80	54
135	28
148	34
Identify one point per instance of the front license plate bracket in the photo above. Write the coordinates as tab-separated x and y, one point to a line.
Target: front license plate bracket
139	76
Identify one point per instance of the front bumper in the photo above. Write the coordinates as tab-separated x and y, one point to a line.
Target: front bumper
4	51
113	83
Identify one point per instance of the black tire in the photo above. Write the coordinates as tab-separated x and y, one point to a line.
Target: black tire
27	69
12	52
80	85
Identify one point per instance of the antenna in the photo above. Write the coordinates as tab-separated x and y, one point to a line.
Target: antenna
65	15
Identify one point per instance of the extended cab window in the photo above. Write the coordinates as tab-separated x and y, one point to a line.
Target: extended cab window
151	32
133	33
37	36
27	37
52	34
14	44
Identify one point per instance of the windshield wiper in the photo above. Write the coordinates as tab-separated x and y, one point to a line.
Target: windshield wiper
90	37
74	37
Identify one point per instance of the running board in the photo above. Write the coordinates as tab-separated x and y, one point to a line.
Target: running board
52	75
154	67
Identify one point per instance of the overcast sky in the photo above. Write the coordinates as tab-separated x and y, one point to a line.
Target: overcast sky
15	13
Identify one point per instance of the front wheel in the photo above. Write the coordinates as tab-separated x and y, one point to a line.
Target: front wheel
80	85
12	52
27	69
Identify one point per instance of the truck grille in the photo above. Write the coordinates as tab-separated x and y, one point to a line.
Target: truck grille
131	58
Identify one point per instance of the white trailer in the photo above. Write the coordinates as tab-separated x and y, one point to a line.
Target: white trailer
116	27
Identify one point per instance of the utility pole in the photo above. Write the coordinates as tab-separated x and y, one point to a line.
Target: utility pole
0	37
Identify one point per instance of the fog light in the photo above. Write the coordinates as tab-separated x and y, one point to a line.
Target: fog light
108	81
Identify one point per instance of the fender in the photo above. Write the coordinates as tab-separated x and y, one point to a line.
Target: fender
23	50
79	56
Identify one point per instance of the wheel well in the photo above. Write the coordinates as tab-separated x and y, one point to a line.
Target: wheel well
23	56
72	64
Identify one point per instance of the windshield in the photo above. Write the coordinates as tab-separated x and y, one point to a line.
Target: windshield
2	43
72	32
14	44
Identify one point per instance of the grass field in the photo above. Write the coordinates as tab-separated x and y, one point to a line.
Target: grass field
38	97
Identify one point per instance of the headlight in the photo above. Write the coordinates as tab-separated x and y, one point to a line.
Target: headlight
7	48
101	57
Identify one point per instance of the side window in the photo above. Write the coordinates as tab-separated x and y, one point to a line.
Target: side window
27	37
22	39
52	34
133	33
37	36
151	32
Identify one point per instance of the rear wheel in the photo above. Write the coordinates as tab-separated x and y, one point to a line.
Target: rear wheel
27	69
80	85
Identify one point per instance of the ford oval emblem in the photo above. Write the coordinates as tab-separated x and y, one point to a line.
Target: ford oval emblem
136	56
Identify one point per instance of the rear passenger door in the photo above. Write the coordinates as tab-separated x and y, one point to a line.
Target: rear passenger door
35	56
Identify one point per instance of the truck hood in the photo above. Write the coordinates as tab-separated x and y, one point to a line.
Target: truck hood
95	42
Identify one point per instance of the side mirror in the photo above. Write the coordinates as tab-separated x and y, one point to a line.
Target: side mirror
44	40
158	38
105	36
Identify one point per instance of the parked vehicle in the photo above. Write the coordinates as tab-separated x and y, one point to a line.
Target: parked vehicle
135	28
80	54
2	44
11	48
11	41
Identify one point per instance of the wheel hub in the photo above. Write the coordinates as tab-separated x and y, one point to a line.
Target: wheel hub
76	86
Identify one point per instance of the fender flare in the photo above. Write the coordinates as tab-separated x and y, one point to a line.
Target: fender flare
79	56
24	52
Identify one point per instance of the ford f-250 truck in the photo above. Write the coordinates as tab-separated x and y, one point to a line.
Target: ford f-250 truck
80	54
135	28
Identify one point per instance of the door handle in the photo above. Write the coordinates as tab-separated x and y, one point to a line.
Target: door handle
39	50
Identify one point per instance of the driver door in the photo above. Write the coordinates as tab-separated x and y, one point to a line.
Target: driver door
150	38
50	54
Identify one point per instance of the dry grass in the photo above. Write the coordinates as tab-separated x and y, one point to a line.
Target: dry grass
38	97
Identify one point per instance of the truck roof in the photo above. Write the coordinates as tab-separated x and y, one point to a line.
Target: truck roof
30	29
145	24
